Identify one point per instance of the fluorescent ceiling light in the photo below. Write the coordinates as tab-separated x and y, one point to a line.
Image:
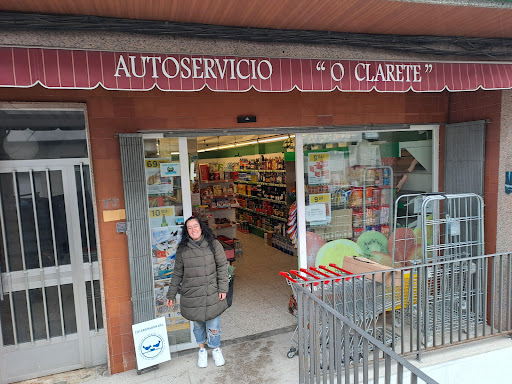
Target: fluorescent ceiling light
273	139
226	146
247	143
242	144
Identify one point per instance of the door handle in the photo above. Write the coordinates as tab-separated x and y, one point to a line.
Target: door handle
1	287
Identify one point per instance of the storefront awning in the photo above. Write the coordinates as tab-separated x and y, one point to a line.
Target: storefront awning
79	69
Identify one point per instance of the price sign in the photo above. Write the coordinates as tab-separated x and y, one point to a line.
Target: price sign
155	163
318	156
320	198
159	212
313	215
319	168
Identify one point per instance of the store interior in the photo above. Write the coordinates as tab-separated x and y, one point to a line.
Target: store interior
244	189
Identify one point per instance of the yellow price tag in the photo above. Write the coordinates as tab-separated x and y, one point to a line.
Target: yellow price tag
159	212
318	156
320	198
155	163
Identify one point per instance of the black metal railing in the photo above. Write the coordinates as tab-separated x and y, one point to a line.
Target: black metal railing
408	310
332	348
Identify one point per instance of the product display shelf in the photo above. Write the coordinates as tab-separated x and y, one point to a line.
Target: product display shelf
217	181
365	204
264	214
263	198
260	183
256	227
382	185
220	206
248	170
218	196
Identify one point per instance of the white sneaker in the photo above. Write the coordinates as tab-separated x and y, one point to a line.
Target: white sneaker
218	358
202	361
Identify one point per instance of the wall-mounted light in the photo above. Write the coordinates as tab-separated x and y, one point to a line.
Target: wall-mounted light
246	119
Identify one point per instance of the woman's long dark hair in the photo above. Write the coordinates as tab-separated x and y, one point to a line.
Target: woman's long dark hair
206	232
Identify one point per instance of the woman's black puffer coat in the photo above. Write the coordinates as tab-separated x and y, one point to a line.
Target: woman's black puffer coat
202	275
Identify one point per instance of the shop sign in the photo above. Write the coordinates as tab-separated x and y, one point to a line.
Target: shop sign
80	69
151	343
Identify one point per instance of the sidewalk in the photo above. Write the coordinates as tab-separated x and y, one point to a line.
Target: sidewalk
259	361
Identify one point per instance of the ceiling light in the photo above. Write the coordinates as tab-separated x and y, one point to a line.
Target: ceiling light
247	143
276	138
226	146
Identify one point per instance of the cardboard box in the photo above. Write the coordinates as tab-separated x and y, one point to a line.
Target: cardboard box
357	265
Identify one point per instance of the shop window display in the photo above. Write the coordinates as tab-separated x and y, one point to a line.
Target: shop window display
351	183
165	207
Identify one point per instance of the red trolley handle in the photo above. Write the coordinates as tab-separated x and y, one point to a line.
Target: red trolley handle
287	276
296	273
304	270
325	274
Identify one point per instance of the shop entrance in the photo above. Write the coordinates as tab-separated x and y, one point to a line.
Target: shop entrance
274	200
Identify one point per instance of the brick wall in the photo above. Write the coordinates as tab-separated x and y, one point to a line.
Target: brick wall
482	105
112	112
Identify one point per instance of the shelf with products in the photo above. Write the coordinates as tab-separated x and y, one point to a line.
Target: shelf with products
217	181
218	196
270	176
264	214
268	223
263	163
262	192
263	199
218	199
261	183
359	199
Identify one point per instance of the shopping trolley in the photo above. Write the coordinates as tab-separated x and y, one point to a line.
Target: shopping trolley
443	227
356	297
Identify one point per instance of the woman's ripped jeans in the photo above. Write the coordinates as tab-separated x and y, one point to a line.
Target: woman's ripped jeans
208	332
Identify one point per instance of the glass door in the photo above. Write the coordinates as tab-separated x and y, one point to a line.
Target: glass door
50	298
168	199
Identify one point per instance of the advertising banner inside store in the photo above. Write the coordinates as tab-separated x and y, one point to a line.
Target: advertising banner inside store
80	69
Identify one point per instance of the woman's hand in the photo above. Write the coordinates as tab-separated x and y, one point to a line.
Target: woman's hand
170	303
222	296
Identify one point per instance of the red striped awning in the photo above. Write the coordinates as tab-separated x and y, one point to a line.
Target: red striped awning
79	69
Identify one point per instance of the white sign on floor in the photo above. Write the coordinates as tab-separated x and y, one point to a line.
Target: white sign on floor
151	343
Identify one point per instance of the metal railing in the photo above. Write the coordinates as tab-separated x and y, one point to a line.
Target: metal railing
408	310
332	349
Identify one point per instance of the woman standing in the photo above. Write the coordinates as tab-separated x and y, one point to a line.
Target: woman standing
201	272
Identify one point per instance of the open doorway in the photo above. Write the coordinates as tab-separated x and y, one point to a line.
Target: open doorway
243	188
